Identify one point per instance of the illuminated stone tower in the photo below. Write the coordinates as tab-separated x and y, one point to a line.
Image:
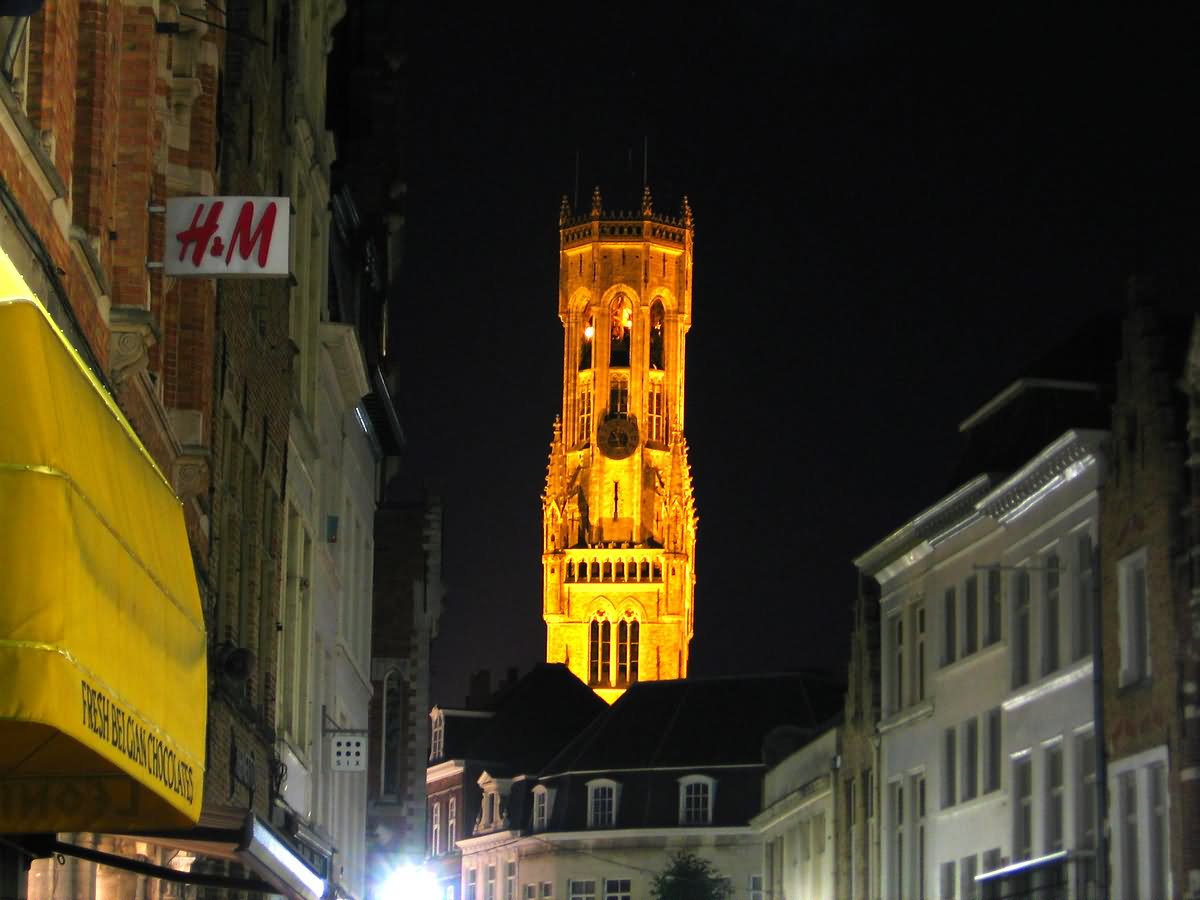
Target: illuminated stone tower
619	520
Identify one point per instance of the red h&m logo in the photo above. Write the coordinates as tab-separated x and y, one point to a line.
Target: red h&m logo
227	236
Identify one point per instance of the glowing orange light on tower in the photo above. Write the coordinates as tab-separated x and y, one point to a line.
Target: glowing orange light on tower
588	333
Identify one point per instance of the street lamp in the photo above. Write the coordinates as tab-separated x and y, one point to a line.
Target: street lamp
408	882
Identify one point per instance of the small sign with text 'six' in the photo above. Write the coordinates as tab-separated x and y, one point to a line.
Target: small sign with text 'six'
227	237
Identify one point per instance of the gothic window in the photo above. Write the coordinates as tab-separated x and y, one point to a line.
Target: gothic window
584	421
585	344
570	571
655	413
599	650
620	576
618	395
656	335
451	823
595	571
437	736
607	576
437	829
627	650
620	326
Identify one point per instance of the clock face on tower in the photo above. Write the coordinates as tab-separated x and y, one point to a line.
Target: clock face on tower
617	437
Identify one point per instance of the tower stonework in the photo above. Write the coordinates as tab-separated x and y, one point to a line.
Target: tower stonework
619	519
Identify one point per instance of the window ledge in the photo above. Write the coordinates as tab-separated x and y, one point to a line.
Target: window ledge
1049	684
967	806
907	715
969	661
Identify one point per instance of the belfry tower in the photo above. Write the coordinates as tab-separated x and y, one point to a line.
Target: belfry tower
619	520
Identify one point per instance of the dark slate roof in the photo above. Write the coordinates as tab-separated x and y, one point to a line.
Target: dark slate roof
1014	431
698	722
461	732
532	719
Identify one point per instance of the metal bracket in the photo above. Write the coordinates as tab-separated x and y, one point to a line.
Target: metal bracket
327	720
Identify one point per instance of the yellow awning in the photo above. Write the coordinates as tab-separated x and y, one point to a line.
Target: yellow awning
103	682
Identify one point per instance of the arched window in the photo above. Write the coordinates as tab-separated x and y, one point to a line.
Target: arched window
570	571
645	576
585	343
621	324
451	823
436	843
618	395
627	650
595	571
583	422
599	650
607	576
620	575
656	335
696	795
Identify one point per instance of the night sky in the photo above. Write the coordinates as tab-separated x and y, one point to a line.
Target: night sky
893	216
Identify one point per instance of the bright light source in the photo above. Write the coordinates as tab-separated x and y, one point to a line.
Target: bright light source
409	882
588	332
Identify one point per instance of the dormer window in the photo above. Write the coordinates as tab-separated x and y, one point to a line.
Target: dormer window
696	793
437	737
603	796
493	812
543	803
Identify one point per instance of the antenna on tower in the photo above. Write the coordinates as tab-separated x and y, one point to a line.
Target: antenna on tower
645	159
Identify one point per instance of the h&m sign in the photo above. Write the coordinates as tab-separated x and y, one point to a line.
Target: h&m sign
227	237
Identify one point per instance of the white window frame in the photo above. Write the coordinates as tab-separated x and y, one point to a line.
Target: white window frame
437	828
1140	766
687	781
543	806
437	734
593	788
1135	659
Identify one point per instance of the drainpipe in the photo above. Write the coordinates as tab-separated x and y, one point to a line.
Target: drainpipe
1101	861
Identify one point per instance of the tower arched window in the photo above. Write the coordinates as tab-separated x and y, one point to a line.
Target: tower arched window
627	650
599	650
586	340
657	320
618	395
583	422
656	411
621	325
570	571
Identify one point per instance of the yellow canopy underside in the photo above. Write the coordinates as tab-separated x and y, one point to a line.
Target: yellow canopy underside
103	682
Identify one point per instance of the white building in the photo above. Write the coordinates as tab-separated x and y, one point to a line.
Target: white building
671	766
988	758
333	476
797	824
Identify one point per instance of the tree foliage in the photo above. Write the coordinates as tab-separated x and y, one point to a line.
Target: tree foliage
688	877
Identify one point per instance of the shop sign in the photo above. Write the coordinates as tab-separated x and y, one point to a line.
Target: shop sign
227	237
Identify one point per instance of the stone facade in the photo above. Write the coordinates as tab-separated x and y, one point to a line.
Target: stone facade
619	531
